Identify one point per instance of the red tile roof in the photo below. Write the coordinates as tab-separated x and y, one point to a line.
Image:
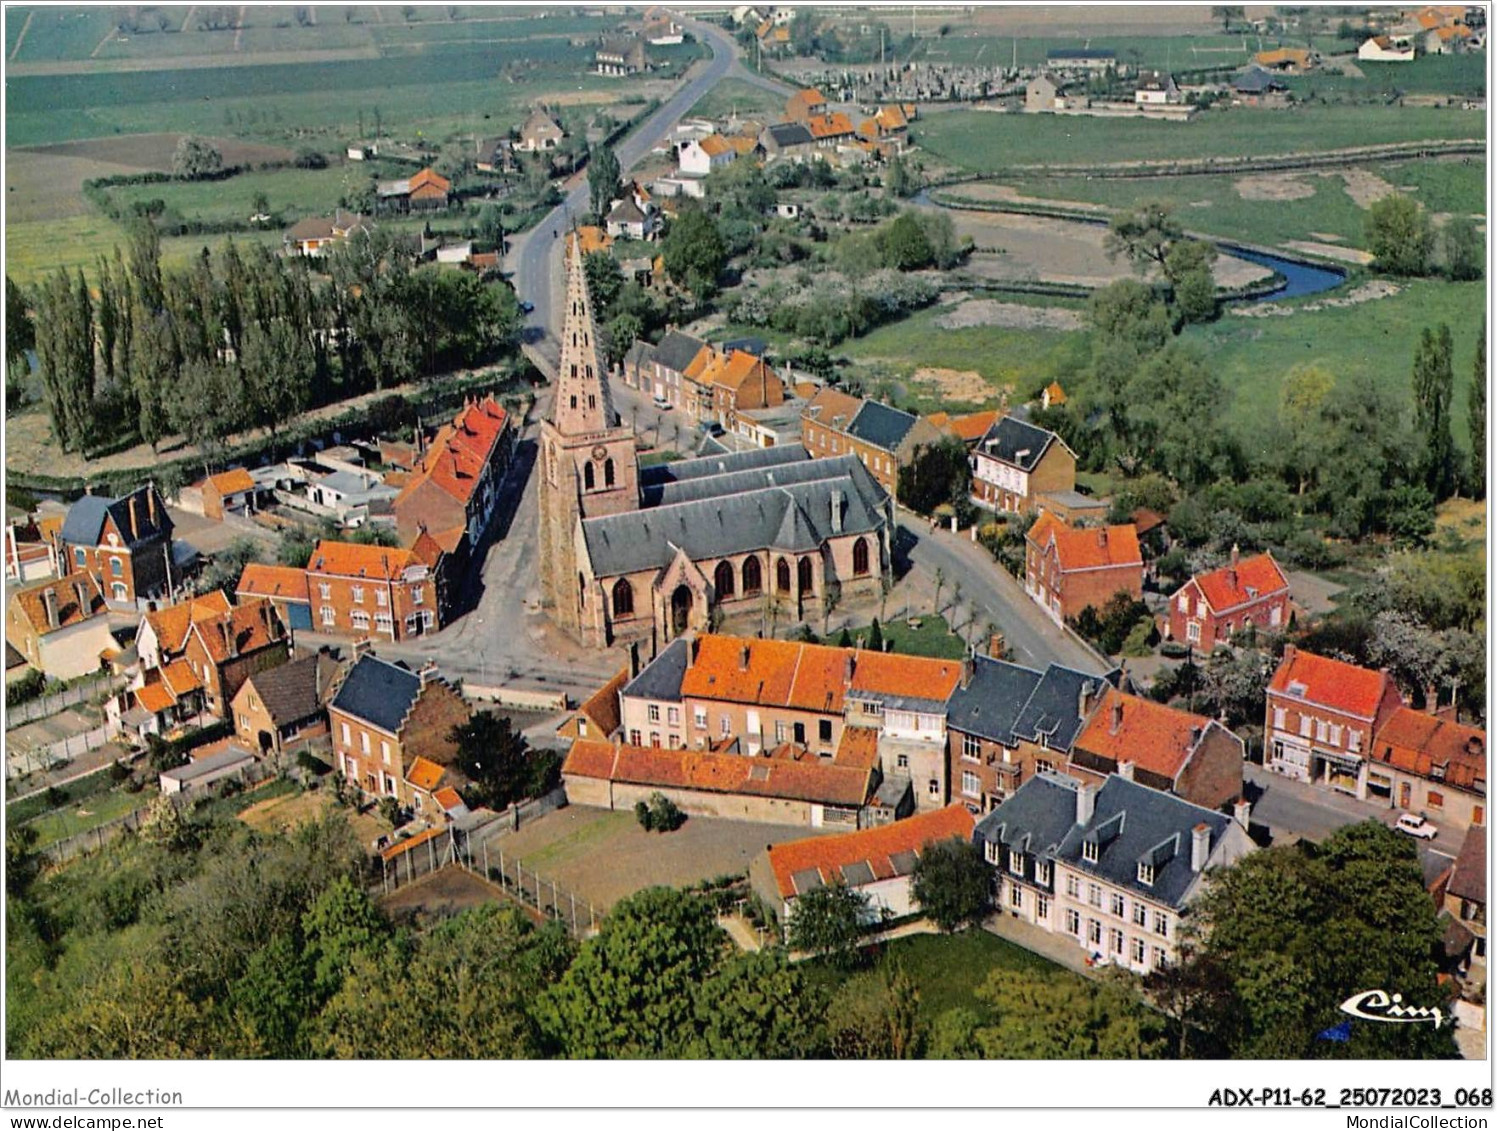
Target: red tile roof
1250	580
719	773
448	798
875	847
1421	743
154	697
401	847
714	146
424	773
858	748
273	581
1152	736
172	623
232	482
601	711
250	627
830	125
972	427
354	559
180	679
1091	547
69	611
458	453
1330	683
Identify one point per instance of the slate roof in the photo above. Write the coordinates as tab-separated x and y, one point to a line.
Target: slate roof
1468	880
1255	80
660	679
1080	53
753	479
703	466
378	692
297	690
1054	707
85	518
880	425
1016	443
992	701
1129	822
676	350
786	134
878	853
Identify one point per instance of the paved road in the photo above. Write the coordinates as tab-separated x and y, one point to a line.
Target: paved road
1291	807
1030	637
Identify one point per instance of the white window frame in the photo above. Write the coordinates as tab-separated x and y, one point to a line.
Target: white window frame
1280	716
991	852
381	598
1089	851
1073	887
1136	951
1041	907
1146	873
1016	897
384	751
1094	933
1118	905
1094	895
329	615
358	594
971	747
971	784
363	742
1161	924
347	740
1073	922
652	712
325	591
699	717
1042	872
1140	914
418	594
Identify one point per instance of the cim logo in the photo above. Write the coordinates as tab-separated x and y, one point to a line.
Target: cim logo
1379	1005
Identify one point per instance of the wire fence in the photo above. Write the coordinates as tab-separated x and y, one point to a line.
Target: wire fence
20	762
81	692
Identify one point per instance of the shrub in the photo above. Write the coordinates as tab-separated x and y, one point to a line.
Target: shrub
661	815
28	687
1173	650
643	815
118	771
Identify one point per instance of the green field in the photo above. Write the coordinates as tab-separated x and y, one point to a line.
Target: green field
734	96
933	638
947	969
94	811
37	248
56	34
1176	52
1215	205
1428	74
295	192
988	142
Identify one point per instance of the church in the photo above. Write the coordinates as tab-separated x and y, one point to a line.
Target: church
758	539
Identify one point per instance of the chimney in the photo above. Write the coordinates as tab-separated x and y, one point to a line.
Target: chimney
969	668
1084	697
151	503
1117	716
849	666
1086	802
361	647
836	511
1200	846
1232	568
995	645
1195	736
134	519
1241	811
49	602
80	587
743	658
696	647
1289	653
633	659
428	672
1431	698
1125	771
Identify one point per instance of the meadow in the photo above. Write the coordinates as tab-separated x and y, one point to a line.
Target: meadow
1175	52
292	192
736	96
990	142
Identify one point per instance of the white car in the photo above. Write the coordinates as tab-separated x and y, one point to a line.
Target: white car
661	402
1415	825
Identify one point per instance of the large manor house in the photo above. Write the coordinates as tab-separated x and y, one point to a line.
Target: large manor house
763	537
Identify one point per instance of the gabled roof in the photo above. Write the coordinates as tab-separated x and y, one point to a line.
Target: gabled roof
661	677
805	99
32	602
1053	709
354	559
714	145
424	774
726	463
993	700
677	350
1080	53
881	426
1251	579
970	428
1154	737
1330	683
1468	879
1090	547
810	781
1014	442
172	623
1255	80
591	238
626	212
1433	747
455	460
878	853
833	408
378	692
786	134
540	124
84	524
832	125
246	628
296	690
1156	81
260	580
737	368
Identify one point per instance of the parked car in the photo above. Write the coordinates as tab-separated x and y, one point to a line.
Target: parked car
527	307
1415	825
661	403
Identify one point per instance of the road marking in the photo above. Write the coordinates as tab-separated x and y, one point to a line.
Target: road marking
20	39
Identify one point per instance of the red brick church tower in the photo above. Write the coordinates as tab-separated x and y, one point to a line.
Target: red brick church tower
587	460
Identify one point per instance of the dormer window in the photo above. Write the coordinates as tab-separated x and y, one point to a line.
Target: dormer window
1145	873
1089	851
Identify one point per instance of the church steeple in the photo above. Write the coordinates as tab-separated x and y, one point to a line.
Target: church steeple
583	404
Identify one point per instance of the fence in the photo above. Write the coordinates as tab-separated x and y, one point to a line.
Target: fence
21	762
80	692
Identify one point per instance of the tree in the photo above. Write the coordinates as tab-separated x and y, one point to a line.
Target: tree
272	1002
20	331
603	180
903	244
277	366
22	864
1433	384
1476	417
208	406
195	158
1461	249
1144	235
1399	236
494	757
757	1005
1227	15
876	1016
228	564
1302	396
829	922
1058	1016
1188	268
631	991
341	923
605	279
935	474
693	252
898	180
951	884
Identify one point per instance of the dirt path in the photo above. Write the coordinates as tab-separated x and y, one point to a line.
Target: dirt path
191	8
114	31
20	39
239	29
1365	187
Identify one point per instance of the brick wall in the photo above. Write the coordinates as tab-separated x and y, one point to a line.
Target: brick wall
403	599
1097	586
1213	776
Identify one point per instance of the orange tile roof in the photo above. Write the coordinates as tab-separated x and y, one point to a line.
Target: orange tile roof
1297	56
938	419
832	125
448	798
69	611
875	847
1253	578
705	358
858	748
891	673
714	146
1330	683
424	774
1087	547
892	118
830	403
251	626
735	369
974	426
172	624
180	678
231	482
720	773
354	559
743	145
1420	743
1152	736
1056	393
273	581
804	98
49	528
430	178
455	460
155	697
601	710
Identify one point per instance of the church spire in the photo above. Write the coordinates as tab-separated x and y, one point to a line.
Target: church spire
583	403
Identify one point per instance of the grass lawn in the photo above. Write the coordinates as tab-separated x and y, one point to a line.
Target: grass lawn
947	968
933	638
1177	52
90	813
1251	355
736	96
37	248
73	793
994	141
295	192
1428	74
584	840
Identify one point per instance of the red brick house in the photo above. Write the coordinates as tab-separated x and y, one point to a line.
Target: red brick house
1066	570
124	544
283	706
225	650
1320	718
740	381
455	484
358	590
1211	608
1163	748
1432	765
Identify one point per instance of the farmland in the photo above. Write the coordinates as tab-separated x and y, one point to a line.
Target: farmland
733	96
992	142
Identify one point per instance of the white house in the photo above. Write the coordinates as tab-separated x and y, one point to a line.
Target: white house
1157	88
705	155
1386	49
